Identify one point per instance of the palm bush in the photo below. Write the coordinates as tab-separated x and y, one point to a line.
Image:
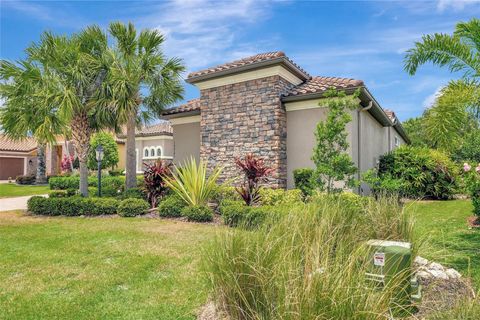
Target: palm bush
309	264
193	183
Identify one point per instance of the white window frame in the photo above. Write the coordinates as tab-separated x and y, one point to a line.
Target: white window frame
396	142
153	150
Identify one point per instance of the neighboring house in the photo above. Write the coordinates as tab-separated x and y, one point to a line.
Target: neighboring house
266	104
151	143
17	157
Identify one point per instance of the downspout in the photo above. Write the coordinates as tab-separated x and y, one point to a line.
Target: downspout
359	140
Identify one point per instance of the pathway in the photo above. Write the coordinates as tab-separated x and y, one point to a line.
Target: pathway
16	203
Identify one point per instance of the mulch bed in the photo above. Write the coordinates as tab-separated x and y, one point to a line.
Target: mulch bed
473	222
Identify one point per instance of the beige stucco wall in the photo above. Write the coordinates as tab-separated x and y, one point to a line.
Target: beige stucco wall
187	141
122	156
165	143
392	135
302	119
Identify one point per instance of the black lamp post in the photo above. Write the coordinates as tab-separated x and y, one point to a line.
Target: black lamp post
99	157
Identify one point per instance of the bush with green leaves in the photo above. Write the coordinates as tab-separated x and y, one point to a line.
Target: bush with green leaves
71	206
224	193
110	151
171	206
198	213
275	197
58	194
304	180
116	172
133	193
27	179
64	182
132	207
419	172
237	214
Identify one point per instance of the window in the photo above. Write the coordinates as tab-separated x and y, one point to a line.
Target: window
397	142
152	152
159	152
145	153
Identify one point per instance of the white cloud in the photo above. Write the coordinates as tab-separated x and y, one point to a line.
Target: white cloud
430	100
455	5
205	32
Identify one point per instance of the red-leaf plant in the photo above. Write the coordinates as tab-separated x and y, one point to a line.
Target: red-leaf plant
256	172
154	178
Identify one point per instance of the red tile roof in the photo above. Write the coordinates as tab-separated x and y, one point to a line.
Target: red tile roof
192	105
162	128
322	84
267	56
390	114
25	145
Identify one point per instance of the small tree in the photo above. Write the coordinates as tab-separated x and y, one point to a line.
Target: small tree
110	151
333	163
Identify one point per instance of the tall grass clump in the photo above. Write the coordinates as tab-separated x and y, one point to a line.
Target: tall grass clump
309	263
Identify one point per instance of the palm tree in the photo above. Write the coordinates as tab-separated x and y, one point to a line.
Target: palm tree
25	112
72	71
458	103
141	82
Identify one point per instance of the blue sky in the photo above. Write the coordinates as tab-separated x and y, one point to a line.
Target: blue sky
356	39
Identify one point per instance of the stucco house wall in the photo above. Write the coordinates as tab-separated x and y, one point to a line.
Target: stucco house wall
186	137
150	149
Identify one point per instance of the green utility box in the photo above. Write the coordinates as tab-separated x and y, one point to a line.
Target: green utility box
392	261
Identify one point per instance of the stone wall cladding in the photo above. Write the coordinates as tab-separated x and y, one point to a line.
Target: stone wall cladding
245	117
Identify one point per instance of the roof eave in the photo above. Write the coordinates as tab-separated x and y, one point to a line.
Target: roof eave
180	114
317	95
253	66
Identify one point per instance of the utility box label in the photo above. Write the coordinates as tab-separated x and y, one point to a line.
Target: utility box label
379	259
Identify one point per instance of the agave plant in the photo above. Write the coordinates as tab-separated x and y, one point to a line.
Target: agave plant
256	172
192	183
154	178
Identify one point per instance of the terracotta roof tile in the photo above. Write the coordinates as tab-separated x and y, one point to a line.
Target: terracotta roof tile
322	84
162	128
25	145
245	61
192	105
390	114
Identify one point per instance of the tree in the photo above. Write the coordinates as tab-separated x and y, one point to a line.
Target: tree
110	151
141	82
76	68
26	112
459	102
333	163
415	129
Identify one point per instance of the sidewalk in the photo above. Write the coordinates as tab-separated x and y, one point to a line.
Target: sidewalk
16	203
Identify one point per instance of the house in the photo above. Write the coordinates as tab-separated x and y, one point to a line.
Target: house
268	105
17	157
151	143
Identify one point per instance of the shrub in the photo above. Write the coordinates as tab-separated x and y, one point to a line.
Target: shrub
192	184
422	172
224	193
133	193
471	177
132	207
274	197
110	151
111	184
154	180
304	263
116	172
171	206
28	179
197	213
303	178
71	206
255	172
237	214
58	194
63	183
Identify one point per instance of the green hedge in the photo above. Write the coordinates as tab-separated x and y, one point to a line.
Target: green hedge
72	206
198	213
275	197
171	206
111	184
421	172
236	214
303	179
132	207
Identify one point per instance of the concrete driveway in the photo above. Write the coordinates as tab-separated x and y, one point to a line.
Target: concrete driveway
16	203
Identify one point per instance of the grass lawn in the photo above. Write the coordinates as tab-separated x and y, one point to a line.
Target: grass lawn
15	190
100	268
443	227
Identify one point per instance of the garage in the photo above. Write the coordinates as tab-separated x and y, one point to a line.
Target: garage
11	167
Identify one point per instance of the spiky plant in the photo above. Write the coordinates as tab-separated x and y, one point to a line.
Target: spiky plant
154	180
255	173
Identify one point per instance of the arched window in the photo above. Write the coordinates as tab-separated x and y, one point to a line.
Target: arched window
152	152
159	152
145	153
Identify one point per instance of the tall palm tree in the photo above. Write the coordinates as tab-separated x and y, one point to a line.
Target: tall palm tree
25	112
73	69
141	82
458	103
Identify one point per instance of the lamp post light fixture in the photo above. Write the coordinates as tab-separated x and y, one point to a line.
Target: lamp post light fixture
99	157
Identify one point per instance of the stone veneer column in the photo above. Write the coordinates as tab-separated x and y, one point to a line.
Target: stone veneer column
245	117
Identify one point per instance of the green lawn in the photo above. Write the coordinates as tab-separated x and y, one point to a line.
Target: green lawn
100	268
442	225
15	190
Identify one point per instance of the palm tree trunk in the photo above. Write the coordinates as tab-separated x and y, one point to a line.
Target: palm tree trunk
81	139
41	177
131	170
